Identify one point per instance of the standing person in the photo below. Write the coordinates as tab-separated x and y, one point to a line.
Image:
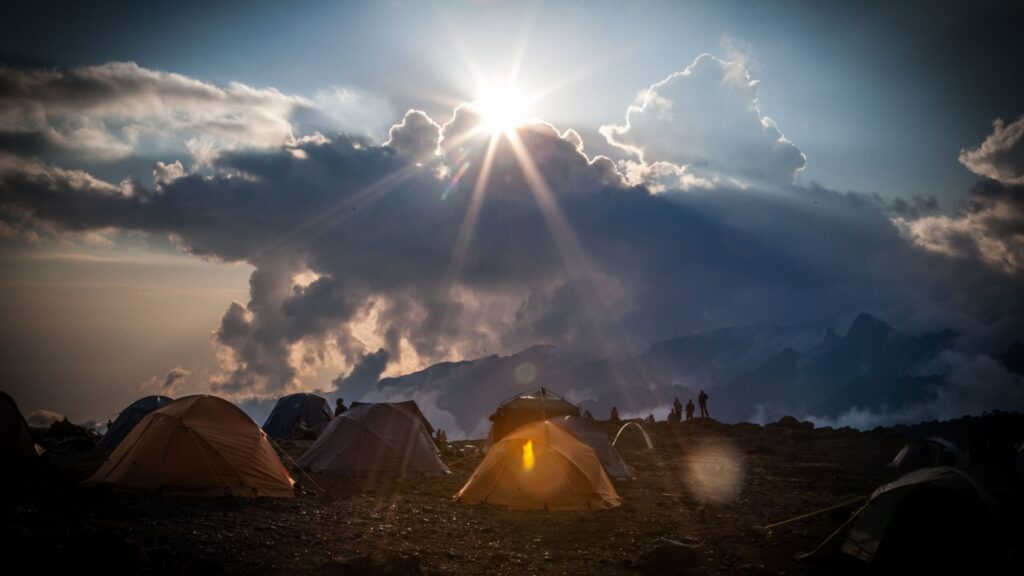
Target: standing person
339	407
615	415
703	399
677	407
689	409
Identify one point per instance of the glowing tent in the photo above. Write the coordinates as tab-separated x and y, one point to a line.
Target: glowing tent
381	440
538	404
313	409
541	466
130	417
197	445
15	439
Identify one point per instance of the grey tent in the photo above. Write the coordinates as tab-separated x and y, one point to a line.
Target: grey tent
314	410
926	452
15	438
531	406
930	517
594	437
129	417
380	440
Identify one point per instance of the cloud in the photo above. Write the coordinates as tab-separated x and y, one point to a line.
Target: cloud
974	385
989	225
364	375
174	378
706	119
371	258
348	110
43	418
1001	156
170	384
110	111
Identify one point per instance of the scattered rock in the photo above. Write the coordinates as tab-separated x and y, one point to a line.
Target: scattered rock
669	557
378	564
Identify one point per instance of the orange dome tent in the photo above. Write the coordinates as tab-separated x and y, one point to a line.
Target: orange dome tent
197	445
540	466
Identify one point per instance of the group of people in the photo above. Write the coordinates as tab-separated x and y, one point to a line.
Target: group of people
676	415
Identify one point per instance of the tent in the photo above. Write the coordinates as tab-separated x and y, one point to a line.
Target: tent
540	466
929	517
538	404
926	452
380	440
314	410
643	435
197	445
594	437
15	439
130	417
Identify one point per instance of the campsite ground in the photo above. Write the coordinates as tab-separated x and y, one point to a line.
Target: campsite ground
705	485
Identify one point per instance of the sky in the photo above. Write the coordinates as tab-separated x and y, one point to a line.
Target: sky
235	197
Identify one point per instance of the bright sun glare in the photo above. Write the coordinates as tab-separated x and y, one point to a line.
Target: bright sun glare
502	108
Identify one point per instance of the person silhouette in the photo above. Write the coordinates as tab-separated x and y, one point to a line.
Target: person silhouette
615	415
339	407
703	400
689	409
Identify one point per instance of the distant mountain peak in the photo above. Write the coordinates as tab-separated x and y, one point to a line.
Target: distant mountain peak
829	340
866	326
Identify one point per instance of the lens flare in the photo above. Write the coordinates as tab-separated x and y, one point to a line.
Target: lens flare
715	472
528	456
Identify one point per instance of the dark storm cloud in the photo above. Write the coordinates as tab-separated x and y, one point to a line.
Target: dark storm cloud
364	375
378	233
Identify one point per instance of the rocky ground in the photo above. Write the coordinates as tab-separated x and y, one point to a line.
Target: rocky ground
706	485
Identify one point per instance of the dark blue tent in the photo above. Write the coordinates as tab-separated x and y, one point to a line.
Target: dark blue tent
131	416
313	409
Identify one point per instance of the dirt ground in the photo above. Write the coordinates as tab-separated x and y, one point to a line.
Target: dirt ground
706	485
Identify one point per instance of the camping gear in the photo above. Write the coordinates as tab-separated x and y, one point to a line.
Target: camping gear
589	433
130	417
313	409
15	437
200	445
380	440
926	452
540	466
531	406
931	516
643	433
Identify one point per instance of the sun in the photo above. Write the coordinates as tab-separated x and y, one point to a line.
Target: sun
502	109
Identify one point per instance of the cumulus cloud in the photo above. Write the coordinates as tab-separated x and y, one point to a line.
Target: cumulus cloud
1001	156
374	256
110	111
706	119
170	384
989	225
